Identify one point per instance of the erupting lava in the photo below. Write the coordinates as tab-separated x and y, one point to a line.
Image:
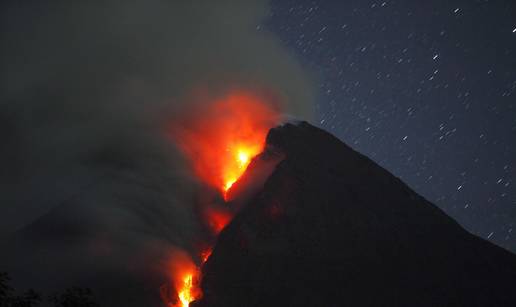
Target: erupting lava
242	158
186	277
222	138
185	292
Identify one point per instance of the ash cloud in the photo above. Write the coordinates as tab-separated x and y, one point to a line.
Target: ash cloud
90	183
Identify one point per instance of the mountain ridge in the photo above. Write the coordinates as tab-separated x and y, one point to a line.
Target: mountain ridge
330	228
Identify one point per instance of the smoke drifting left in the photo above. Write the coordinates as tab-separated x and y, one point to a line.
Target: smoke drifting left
94	193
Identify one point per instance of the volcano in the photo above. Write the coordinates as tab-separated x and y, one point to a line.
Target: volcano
332	228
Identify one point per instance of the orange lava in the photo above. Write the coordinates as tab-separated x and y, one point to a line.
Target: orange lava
185	277
205	254
221	138
185	293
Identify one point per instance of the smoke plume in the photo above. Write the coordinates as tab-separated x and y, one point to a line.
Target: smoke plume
91	187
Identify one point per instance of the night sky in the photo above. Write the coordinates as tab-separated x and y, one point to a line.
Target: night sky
427	89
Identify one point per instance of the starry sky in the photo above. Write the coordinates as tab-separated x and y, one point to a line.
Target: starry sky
427	89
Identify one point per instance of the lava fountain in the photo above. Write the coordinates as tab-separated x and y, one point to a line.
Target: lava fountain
219	139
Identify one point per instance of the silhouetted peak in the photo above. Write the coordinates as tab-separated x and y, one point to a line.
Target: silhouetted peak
332	228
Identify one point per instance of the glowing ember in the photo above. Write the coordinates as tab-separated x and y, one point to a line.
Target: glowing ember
223	140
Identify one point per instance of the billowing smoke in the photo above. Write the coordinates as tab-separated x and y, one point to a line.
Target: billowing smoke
93	192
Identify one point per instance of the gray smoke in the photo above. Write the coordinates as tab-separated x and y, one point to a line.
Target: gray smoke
89	181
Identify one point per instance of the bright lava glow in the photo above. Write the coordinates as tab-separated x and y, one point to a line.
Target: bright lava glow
185	293
241	159
221	138
185	277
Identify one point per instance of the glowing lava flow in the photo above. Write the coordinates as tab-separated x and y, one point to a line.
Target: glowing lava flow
187	283
235	169
185	293
221	139
185	277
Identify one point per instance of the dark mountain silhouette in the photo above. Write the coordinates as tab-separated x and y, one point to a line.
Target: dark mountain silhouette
332	228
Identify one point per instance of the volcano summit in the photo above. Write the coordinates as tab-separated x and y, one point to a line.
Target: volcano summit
332	228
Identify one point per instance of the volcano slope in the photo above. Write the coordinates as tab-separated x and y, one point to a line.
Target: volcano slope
332	228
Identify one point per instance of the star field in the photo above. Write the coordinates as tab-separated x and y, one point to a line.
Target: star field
426	89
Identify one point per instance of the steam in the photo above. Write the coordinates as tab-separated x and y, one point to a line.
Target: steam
90	183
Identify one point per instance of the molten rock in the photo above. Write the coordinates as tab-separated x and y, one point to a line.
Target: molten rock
332	228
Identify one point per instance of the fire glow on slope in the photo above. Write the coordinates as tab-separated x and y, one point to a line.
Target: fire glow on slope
223	138
186	278
220	140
